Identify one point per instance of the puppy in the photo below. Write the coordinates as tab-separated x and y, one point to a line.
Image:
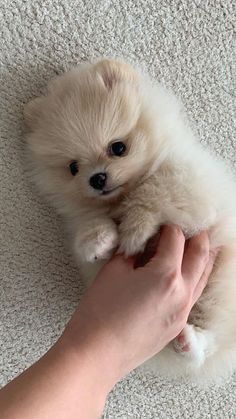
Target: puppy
113	152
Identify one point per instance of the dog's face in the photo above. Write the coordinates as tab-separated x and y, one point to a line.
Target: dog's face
90	136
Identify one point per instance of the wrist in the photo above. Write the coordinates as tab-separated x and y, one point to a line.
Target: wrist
93	355
83	375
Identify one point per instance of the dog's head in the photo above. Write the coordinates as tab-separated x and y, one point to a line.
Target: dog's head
91	134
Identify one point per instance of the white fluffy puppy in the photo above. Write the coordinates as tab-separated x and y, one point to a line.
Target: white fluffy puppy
115	155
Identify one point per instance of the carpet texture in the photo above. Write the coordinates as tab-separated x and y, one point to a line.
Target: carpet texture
188	45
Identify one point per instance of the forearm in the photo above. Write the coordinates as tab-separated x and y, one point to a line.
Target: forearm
65	383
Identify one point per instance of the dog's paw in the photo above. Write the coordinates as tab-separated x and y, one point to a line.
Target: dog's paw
132	242
183	342
193	343
134	232
135	229
97	244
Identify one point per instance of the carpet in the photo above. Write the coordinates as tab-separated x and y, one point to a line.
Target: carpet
186	44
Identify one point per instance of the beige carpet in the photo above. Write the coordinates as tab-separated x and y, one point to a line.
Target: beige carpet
187	44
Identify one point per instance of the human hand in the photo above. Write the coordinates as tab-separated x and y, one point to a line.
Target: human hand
128	314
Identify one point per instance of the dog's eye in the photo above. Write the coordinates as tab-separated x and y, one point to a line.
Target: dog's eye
117	148
74	167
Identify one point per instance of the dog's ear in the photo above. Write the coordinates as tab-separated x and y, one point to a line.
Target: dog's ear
113	72
32	112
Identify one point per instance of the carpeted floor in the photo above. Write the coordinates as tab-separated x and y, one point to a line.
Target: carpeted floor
187	44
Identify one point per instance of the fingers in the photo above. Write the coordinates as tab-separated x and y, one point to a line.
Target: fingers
205	276
169	250
120	263
196	257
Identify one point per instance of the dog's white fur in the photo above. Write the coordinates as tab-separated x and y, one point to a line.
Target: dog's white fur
165	176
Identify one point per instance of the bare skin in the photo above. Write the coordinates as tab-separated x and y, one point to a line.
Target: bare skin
126	317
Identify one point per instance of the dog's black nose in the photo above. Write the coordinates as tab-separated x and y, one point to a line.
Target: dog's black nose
98	180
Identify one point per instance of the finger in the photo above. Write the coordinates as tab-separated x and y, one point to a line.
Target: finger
120	263
169	250
205	276
195	258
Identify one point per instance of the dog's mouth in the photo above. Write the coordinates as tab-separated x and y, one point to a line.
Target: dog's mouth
113	191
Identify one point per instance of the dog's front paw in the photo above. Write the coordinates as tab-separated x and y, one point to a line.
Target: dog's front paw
134	232
97	244
132	242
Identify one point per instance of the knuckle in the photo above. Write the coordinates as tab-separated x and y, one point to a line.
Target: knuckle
172	278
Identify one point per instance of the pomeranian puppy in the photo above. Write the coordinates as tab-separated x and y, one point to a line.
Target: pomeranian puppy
113	152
